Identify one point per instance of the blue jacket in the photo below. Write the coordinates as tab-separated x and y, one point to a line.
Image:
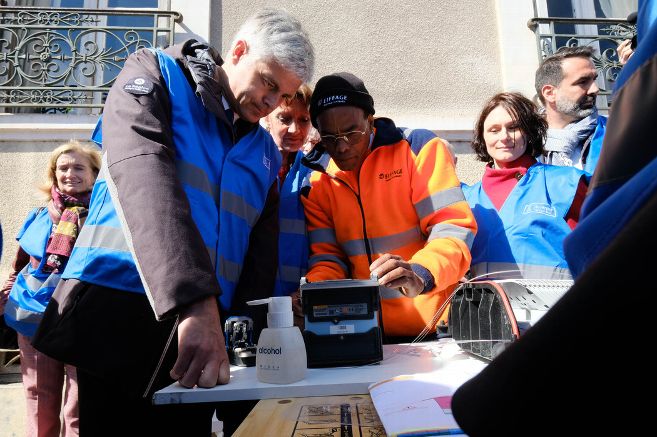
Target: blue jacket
526	236
625	180
595	147
226	186
33	288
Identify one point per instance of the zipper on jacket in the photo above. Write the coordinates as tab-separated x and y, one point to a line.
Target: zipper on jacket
368	249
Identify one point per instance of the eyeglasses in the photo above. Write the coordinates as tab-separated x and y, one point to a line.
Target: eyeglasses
350	138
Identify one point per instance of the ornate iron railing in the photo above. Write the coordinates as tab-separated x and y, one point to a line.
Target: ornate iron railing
68	58
603	34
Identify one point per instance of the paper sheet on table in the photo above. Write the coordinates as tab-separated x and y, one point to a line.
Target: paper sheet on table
420	404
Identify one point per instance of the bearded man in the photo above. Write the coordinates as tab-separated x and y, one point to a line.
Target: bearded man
565	83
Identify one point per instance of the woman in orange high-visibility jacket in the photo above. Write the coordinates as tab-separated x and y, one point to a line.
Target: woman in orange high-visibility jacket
386	201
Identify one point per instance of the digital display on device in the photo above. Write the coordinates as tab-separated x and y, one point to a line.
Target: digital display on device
353	309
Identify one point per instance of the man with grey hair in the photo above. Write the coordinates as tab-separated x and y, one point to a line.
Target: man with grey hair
182	226
565	85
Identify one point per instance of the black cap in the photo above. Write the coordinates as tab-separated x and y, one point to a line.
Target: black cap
339	89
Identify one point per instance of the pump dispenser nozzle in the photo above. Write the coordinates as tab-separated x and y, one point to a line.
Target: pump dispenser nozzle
279	314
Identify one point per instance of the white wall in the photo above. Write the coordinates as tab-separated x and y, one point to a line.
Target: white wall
427	64
196	21
518	50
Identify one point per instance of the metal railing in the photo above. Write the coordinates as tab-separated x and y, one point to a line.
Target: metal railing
62	58
602	34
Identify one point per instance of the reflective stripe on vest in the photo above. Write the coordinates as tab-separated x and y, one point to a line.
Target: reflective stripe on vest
211	171
28	299
106	237
196	178
438	201
322	235
229	270
527	233
33	287
292	239
485	270
384	244
444	230
34	283
101	254
293	226
239	207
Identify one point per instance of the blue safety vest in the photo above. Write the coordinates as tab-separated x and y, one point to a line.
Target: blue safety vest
595	147
292	237
525	238
226	185
33	287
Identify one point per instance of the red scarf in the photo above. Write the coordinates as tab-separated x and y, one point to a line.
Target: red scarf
67	214
499	182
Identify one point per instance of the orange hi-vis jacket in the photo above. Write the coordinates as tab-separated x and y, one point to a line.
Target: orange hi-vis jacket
403	202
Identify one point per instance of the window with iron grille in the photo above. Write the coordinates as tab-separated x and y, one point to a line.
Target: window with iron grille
63	55
601	24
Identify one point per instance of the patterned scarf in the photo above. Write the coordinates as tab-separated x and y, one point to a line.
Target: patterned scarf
563	146
67	214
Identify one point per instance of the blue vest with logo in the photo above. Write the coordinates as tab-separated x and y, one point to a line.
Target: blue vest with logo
595	147
292	239
525	238
226	185
33	288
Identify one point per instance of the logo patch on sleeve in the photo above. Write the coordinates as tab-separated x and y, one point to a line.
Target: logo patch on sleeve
138	86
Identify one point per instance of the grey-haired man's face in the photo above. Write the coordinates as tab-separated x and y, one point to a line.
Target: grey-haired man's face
577	92
258	85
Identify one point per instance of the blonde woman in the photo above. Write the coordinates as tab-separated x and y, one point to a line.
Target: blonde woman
289	126
45	243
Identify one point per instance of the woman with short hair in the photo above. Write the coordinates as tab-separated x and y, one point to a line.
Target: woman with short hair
290	127
524	209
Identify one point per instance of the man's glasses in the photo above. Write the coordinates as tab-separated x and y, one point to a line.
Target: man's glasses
350	138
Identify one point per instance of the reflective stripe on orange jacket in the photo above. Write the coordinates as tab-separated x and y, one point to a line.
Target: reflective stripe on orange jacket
399	203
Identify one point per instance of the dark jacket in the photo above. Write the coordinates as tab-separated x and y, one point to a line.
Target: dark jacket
140	151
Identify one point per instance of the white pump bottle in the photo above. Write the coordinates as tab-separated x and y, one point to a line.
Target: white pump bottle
281	355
